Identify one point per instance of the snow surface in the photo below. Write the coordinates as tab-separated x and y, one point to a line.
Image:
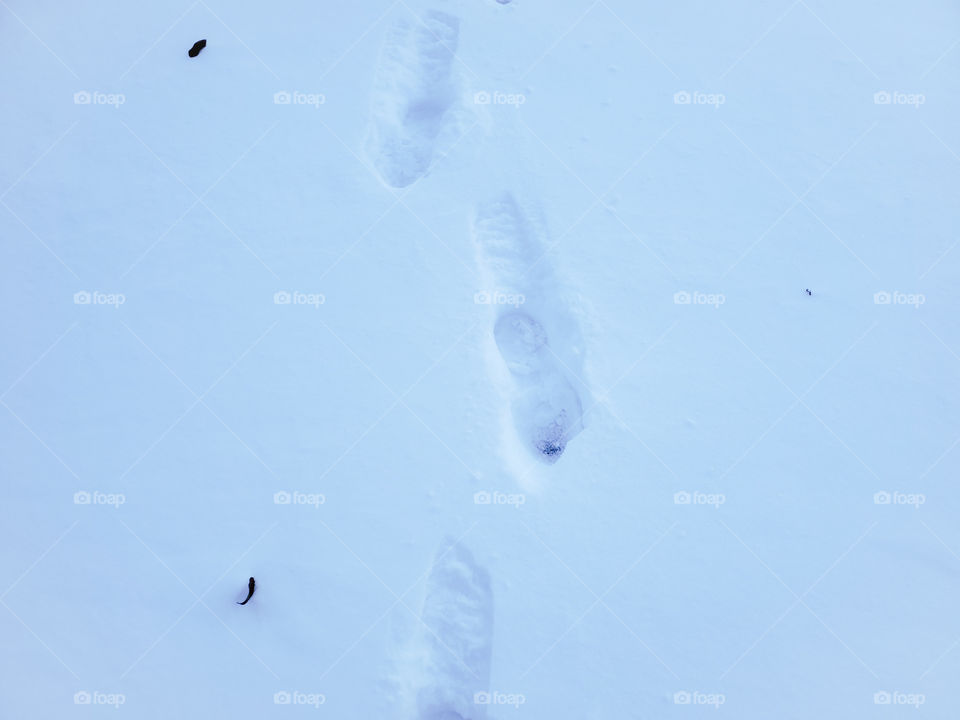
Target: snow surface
477	332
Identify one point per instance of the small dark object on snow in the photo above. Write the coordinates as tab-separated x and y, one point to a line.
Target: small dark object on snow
197	47
251	585
807	291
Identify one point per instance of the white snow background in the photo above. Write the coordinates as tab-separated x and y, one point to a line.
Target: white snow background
372	254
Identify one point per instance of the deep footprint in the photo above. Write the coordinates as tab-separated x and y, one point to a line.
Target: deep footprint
458	615
548	413
546	408
413	91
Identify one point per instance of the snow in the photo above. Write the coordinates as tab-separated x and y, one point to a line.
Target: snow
310	307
